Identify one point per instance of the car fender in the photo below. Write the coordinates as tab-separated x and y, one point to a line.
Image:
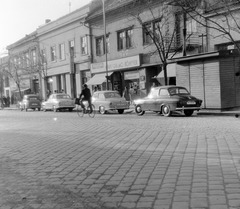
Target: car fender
171	105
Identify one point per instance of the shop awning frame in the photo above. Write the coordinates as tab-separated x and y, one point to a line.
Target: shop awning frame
171	72
98	79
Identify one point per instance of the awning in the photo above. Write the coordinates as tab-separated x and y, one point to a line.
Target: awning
98	79
171	71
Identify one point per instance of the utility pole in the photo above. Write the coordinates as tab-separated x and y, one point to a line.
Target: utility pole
105	41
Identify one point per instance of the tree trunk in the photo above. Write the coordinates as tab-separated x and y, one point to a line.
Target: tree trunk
165	74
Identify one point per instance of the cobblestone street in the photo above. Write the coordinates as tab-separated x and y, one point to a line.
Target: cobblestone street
60	161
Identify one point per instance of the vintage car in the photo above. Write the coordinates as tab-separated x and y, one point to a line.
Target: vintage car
58	101
30	101
109	100
168	99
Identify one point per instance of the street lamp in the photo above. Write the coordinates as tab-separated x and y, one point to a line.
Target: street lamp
105	40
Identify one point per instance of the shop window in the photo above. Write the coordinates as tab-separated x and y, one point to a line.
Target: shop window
53	53
84	45
125	39
62	51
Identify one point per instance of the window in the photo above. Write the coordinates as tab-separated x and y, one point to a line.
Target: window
84	45
27	61
53	53
164	92
191	26
34	57
125	39
62	51
43	56
147	28
100	46
71	48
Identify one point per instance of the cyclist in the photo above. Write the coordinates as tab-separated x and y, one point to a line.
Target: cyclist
86	96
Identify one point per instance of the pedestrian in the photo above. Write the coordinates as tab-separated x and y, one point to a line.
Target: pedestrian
126	94
48	93
8	101
86	96
95	89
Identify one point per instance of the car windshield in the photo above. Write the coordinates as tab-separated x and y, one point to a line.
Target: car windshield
177	91
63	96
112	95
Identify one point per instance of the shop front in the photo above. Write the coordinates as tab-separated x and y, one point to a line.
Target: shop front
120	72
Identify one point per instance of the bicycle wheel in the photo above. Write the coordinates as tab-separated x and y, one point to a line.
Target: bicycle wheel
91	114
80	111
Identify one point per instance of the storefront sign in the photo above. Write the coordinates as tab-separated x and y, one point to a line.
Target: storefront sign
131	75
114	65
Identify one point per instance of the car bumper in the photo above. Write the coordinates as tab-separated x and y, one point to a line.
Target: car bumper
187	108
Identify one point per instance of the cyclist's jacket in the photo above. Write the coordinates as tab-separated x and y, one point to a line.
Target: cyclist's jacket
86	94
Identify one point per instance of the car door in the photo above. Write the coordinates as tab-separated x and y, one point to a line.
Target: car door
49	104
95	100
162	97
150	102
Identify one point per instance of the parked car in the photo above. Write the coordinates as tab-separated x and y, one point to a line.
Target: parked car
58	101
109	100
30	101
168	99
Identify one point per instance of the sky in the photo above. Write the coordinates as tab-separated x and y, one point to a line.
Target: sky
21	17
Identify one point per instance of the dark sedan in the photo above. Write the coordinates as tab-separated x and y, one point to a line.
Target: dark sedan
168	99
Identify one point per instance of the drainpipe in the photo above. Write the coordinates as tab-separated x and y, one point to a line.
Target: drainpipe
184	33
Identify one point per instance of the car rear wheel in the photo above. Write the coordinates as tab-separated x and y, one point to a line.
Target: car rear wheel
166	111
120	111
102	110
188	112
139	110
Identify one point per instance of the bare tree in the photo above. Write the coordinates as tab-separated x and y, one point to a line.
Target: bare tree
21	65
159	26
219	16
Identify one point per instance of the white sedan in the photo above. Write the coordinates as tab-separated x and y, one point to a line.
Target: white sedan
109	100
58	101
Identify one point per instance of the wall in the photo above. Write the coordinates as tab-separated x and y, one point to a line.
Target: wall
201	78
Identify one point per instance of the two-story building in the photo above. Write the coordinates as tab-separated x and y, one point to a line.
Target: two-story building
128	57
64	44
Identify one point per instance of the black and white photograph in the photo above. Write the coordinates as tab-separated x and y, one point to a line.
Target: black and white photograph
120	104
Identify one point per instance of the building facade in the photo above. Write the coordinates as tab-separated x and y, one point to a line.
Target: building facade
64	44
109	45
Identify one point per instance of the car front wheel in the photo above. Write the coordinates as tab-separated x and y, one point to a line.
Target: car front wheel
139	110
188	112
166	111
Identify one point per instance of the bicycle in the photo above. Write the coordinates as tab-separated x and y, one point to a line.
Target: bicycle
81	111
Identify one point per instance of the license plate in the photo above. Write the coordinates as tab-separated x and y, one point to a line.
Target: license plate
191	102
34	104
